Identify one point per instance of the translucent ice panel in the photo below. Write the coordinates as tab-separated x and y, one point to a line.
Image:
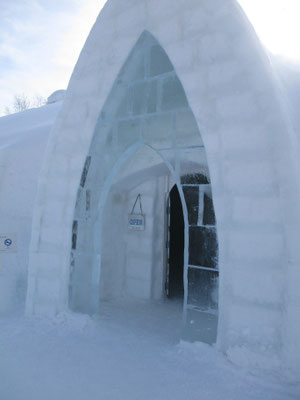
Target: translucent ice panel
203	246
128	133
194	179
191	195
116	105
111	139
103	133
187	132
152	98
134	68
200	326
170	158
173	95
193	161
138	98
158	130
208	212
159	61
122	110
203	288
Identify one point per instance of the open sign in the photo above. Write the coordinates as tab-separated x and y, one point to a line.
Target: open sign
136	222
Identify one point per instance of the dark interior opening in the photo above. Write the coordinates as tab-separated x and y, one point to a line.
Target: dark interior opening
176	246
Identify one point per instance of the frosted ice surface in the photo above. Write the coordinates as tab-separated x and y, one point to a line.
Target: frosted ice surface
152	98
187	131
138	98
193	160
128	133
158	130
136	62
173	95
159	61
203	291
200	326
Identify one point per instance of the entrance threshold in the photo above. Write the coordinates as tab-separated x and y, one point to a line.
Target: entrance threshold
159	319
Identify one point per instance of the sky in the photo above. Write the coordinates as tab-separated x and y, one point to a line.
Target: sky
40	40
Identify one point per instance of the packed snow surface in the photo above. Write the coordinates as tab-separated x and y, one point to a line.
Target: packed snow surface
56	96
130	351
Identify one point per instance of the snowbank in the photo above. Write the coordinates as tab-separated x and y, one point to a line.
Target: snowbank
129	352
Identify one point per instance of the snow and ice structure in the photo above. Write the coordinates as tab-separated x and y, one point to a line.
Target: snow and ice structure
23	138
56	96
176	102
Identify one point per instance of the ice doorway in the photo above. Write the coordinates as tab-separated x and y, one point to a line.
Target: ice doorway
133	272
175	246
133	258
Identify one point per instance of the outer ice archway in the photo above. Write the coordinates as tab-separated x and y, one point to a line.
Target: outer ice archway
227	80
147	104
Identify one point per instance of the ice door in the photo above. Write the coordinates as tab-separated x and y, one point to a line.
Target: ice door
201	299
175	246
167	224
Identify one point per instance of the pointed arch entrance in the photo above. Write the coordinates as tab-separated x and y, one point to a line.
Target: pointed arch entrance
175	246
145	126
231	92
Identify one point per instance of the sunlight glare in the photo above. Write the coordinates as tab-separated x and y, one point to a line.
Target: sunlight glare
277	24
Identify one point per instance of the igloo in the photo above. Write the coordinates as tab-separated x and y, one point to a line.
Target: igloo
172	170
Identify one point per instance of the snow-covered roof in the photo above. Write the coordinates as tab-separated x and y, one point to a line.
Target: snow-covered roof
56	96
24	125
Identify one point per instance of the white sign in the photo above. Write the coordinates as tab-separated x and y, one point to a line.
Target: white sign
8	242
136	222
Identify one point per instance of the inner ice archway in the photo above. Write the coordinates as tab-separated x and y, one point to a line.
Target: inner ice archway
147	130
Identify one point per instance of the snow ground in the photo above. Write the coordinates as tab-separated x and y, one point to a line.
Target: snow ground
130	351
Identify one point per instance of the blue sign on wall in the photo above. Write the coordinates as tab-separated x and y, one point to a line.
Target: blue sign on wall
136	222
8	242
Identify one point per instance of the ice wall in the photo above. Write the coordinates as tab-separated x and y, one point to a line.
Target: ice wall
24	138
132	274
252	154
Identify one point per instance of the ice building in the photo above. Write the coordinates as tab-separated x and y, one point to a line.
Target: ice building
172	170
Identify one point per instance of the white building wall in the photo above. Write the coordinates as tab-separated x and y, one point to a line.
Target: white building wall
141	259
251	155
23	139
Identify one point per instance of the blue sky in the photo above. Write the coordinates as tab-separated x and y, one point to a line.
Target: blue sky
40	40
